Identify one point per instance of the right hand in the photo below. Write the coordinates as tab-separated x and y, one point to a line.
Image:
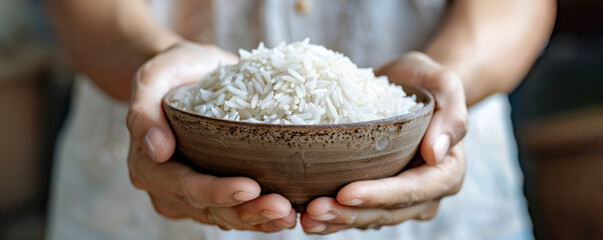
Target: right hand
176	190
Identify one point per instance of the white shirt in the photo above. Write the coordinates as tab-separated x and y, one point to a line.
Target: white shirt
92	197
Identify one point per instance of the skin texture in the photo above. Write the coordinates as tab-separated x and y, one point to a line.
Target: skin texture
483	47
491	44
177	191
414	193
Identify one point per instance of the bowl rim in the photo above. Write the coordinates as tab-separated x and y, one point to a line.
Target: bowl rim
428	107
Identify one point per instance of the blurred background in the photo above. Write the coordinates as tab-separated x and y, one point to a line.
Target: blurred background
557	116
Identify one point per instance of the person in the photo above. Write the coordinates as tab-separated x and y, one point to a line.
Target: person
137	50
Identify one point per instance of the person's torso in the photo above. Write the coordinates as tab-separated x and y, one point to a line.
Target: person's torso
369	32
92	154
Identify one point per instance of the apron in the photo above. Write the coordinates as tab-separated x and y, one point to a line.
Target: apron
92	197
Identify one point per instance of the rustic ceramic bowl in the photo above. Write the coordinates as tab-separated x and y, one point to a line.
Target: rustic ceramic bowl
300	162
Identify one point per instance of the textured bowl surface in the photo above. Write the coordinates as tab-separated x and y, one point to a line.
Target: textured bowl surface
301	162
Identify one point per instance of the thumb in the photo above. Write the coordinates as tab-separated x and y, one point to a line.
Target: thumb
179	64
449	122
146	120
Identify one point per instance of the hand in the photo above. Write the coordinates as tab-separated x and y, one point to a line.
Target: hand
414	193
176	190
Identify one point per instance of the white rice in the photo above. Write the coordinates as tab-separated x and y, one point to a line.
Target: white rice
297	83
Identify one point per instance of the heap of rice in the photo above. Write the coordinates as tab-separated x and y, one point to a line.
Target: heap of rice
297	83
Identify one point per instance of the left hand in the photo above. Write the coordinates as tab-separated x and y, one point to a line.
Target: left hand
414	193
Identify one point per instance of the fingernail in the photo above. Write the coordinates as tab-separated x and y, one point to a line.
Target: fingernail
272	215
278	224
243	196
318	228
440	147
325	217
353	202
153	140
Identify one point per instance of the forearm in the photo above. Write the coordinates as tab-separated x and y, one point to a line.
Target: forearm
492	44
108	40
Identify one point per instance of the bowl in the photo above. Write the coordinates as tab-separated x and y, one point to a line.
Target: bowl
300	162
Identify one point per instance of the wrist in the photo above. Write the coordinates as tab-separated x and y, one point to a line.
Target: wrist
146	37
463	60
152	42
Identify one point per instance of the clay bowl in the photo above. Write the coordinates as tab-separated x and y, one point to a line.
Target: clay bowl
300	162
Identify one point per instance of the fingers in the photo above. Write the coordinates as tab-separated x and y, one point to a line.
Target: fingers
180	183
276	225
343	217
327	209
145	120
449	122
416	185
264	209
288	221
216	203
268	213
182	63
165	207
312	226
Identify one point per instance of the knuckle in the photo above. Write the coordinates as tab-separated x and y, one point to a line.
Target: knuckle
389	196
462	126
135	178
427	216
414	195
244	216
394	197
188	191
164	209
435	83
180	197
379	199
430	213
456	189
213	217
204	216
449	79
209	216
177	194
458	184
452	79
446	81
444	75
145	72
386	219
459	127
134	118
136	183
351	219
